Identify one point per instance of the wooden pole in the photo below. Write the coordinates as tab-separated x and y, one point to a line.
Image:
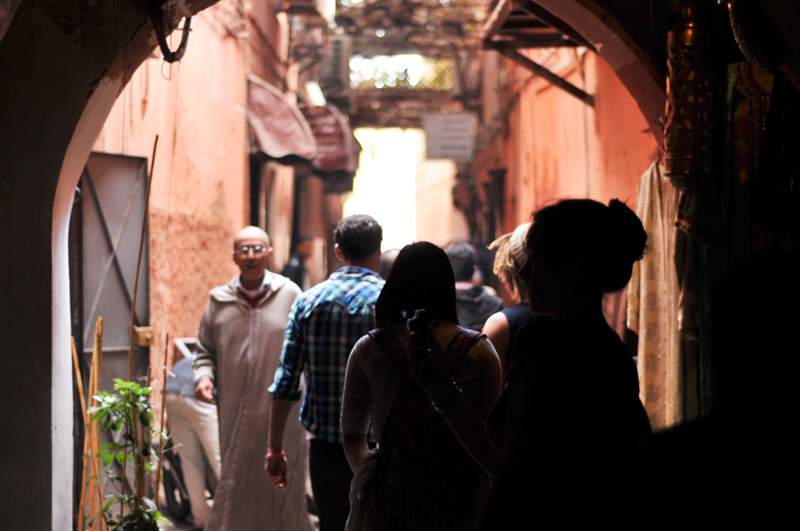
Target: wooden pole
80	383
133	304
86	434
96	493
139	258
97	360
539	70
161	424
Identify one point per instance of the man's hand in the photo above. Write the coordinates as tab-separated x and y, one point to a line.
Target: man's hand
204	390
277	469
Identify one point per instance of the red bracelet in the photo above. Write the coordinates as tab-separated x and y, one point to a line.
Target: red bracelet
272	456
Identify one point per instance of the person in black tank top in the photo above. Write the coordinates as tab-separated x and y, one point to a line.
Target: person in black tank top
502	327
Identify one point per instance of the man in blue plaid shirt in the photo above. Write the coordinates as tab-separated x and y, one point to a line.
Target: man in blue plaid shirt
324	324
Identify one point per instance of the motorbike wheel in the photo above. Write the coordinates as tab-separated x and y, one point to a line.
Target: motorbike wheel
174	490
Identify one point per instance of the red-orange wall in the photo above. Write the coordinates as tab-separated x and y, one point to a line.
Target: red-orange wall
624	144
555	146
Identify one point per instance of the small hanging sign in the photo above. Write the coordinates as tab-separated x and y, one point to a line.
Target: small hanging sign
449	136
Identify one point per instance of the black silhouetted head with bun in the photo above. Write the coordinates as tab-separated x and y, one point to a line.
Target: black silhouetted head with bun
580	249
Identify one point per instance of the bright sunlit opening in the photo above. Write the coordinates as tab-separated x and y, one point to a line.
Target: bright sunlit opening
384	69
384	186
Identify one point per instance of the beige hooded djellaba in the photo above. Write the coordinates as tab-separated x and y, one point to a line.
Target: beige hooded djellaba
239	348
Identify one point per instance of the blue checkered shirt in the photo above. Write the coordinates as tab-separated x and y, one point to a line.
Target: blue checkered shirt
324	324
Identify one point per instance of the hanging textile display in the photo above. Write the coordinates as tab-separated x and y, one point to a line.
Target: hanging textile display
653	302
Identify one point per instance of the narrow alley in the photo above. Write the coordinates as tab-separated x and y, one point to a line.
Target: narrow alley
139	137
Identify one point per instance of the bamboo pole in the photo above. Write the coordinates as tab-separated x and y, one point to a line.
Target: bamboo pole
92	439
86	434
84	479
139	258
140	437
161	423
79	379
98	338
97	361
133	311
90	458
133	305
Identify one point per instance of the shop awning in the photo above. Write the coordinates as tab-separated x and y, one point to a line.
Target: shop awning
281	131
337	148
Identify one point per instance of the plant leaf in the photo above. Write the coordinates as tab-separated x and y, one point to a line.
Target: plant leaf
149	504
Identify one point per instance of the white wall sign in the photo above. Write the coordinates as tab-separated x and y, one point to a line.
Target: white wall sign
449	136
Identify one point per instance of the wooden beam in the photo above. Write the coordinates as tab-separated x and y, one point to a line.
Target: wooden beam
554	22
496	19
527	42
543	72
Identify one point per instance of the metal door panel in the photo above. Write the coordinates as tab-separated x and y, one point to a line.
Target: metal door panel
114	191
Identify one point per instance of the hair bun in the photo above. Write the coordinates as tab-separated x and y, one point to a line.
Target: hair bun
626	239
633	238
604	240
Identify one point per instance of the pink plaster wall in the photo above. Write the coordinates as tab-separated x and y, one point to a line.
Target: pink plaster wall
625	145
557	144
266	53
558	147
197	108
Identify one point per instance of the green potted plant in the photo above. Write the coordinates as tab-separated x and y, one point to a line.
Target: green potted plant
128	410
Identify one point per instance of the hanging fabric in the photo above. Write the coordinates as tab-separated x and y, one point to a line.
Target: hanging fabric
653	302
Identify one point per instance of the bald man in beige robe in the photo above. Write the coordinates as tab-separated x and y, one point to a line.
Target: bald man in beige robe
239	342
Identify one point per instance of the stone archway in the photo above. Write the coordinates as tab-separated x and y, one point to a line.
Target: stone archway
63	65
603	23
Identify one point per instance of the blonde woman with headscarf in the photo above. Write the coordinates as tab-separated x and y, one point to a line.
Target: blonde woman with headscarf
501	328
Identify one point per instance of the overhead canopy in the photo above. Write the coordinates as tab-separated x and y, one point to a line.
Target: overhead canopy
280	130
521	24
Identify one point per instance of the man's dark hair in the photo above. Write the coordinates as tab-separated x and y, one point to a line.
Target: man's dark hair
462	260
358	237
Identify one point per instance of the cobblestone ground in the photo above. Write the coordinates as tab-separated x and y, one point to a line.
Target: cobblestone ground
175	526
171	524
